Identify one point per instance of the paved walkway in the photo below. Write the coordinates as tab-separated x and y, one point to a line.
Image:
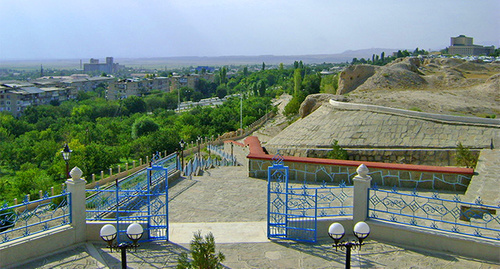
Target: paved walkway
259	255
232	206
486	183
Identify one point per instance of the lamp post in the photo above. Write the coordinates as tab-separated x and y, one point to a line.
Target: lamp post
134	232
241	113
199	152
336	232
232	156
66	154
182	144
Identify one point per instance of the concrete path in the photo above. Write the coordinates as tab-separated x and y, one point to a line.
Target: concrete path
486	183
226	202
261	255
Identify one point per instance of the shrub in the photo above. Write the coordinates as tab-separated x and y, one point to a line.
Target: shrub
465	157
337	152
203	254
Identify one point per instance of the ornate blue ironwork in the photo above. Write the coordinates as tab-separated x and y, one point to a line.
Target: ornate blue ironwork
31	217
278	159
141	197
437	213
293	211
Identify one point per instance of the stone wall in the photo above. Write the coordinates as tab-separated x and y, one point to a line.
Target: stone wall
320	172
438	157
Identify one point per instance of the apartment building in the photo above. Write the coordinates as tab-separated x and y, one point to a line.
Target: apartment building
177	81
122	89
15	98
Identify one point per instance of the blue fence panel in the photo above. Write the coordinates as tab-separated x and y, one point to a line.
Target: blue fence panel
31	217
434	212
101	202
293	209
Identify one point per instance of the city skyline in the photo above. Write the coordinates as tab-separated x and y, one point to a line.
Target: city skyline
58	29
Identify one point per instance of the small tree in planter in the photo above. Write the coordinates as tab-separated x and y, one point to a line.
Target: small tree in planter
465	157
337	152
202	253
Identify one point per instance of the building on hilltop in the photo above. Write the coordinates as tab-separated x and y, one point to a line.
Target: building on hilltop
109	67
16	96
464	45
125	88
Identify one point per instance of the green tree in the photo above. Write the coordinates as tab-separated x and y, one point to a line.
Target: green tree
202	253
135	104
465	157
261	88
98	157
297	82
143	126
337	152
311	83
221	91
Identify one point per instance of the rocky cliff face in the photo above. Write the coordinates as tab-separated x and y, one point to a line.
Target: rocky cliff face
414	73
439	85
314	101
354	76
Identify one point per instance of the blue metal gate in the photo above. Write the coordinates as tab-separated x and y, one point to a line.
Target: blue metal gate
277	199
292	212
137	199
289	214
146	204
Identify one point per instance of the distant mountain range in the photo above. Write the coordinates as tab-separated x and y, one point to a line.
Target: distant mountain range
173	62
346	56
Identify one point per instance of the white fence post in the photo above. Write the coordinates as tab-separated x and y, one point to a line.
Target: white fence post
76	186
362	183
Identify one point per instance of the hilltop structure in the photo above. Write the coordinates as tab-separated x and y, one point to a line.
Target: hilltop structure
464	45
109	67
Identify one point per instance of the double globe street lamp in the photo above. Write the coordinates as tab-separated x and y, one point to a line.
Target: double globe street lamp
336	232
108	233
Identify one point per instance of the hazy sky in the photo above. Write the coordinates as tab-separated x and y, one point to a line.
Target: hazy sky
35	29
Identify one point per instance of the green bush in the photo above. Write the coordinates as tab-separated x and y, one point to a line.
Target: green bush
203	254
337	152
465	157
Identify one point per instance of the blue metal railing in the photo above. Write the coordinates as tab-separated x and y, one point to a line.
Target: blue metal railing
102	201
32	217
434	212
324	201
202	163
225	156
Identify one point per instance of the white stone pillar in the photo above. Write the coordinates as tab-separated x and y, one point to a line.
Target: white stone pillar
76	186
362	182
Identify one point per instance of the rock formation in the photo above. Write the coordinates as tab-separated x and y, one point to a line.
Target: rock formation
353	76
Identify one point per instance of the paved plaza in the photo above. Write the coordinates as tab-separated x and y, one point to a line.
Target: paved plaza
226	202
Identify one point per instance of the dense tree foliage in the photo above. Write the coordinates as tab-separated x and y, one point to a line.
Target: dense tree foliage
104	133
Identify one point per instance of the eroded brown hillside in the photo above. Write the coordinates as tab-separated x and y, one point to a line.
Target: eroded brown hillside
448	86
